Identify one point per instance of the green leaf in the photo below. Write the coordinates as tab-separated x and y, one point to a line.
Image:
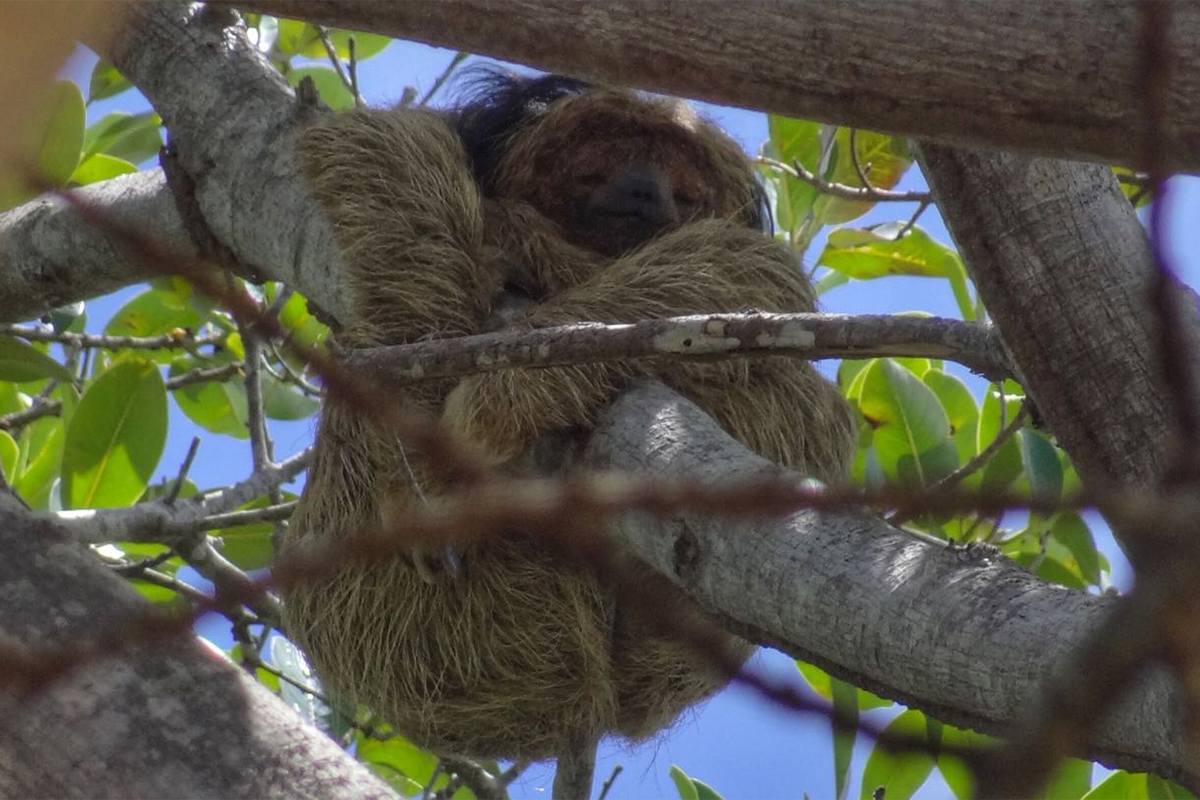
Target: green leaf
1118	786
911	432
131	137
1006	463
303	328
9	453
960	407
883	157
152	313
365	45
100	167
869	253
329	86
219	407
115	437
401	755
285	401
898	774
1072	779
106	81
1069	530
792	140
21	362
249	546
49	145
1157	787
294	37
1042	467
42	451
845	707
683	784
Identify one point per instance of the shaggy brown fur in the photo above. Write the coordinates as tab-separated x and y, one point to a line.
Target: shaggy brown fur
522	651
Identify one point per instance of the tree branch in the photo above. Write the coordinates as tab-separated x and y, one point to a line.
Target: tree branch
963	634
105	721
842	61
701	337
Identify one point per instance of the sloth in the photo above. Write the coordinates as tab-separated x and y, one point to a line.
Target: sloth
591	204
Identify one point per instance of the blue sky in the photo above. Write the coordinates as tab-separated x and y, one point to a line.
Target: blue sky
738	743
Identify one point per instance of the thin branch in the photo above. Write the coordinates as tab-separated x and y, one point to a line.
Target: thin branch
273	513
229	581
331	51
40	408
701	337
608	784
155	521
865	193
985	455
459	57
858	167
260	441
176	340
202	374
173	494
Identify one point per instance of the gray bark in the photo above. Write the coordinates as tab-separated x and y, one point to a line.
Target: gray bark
159	718
1055	79
50	257
232	118
1064	267
967	638
966	635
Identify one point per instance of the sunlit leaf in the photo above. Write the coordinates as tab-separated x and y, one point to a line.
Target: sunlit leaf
106	81
845	708
21	362
960	407
898	774
1118	786
9	453
1072	779
115	437
217	406
883	157
152	313
130	137
100	167
285	401
911	429
1069	530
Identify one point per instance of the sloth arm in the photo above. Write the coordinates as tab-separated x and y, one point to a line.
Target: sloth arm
704	267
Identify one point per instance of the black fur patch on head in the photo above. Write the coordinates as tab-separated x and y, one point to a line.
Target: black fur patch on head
497	104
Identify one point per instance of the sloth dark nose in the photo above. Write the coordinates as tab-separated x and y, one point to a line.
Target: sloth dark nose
641	193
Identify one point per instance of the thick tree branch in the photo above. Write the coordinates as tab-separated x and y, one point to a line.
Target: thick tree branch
1063	266
153	704
706	337
50	257
966	635
969	73
232	119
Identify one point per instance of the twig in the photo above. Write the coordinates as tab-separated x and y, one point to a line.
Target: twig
157	522
40	408
201	375
331	51
291	375
476	778
179	340
865	193
352	46
272	513
459	57
233	587
706	337
607	785
985	455
858	167
260	440
183	471
912	221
